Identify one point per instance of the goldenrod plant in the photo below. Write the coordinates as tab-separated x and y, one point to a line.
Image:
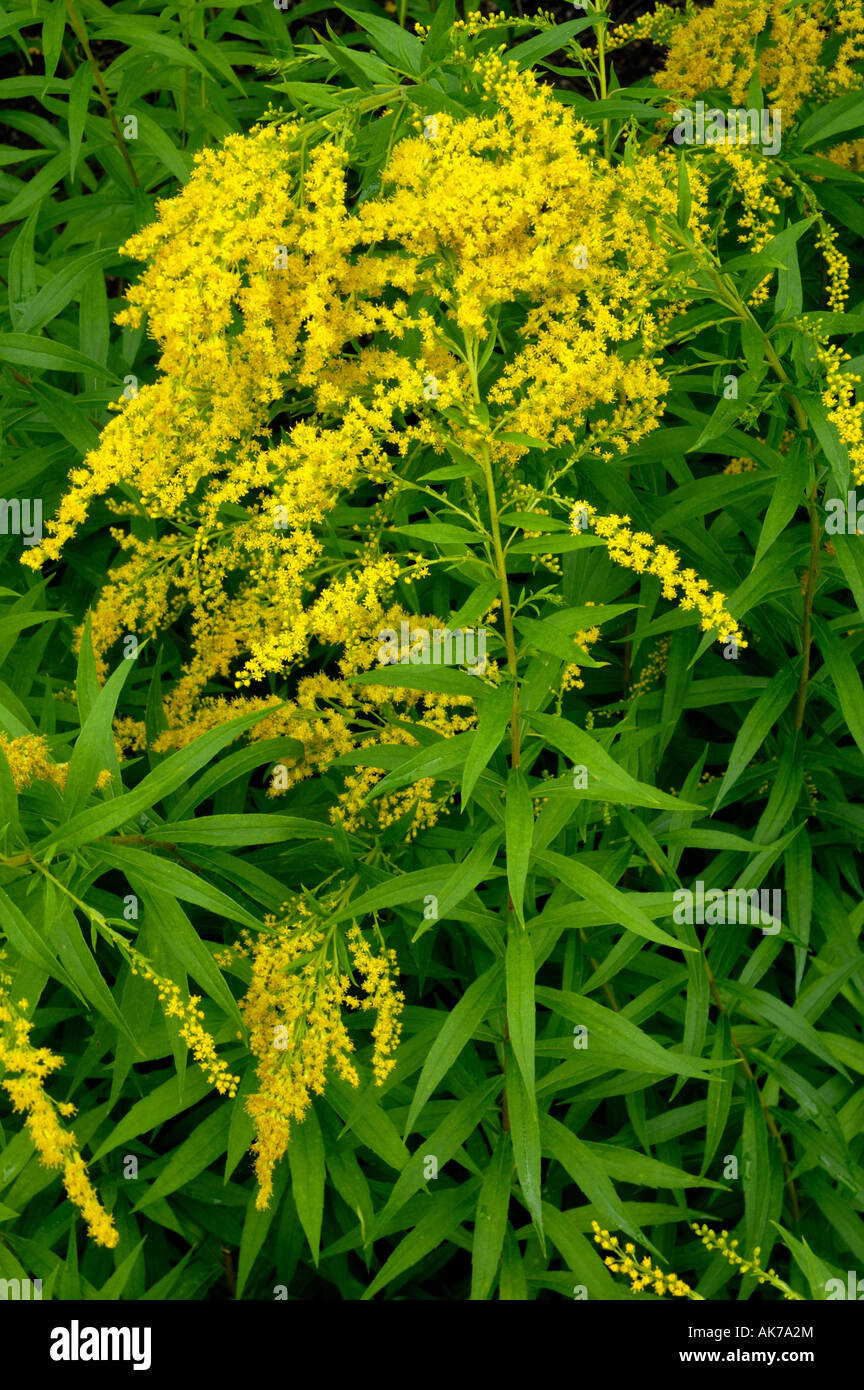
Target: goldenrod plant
434	604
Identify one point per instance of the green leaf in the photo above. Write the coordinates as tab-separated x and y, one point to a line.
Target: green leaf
235	765
141	31
532	521
757	724
437	533
61	289
491	728
306	1157
580	1255
789	493
94	746
490	1220
521	1011
844	677
242	830
460	1121
626	1165
399	47
256	1226
613	1029
439	37
464	878
584	751
513	1285
527	441
728	411
163	1103
553	545
532	50
167	777
366	1119
720	1089
154	873
784	1020
684	200
548	637
22	268
53	27
27	940
756	1181
525	1134
437	679
439	760
68	419
459	1026
65	936
833	119
28	350
153	138
205	1144
112	1289
79	100
815	1271
403	888
519	832
593	888
449	1210
587	1171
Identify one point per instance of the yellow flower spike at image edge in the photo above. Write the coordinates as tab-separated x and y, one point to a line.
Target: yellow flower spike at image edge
719	1241
54	1144
714	47
640	552
642	1275
645	1275
793	51
30	761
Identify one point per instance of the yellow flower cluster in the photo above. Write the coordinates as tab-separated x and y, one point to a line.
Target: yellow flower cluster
757	186
644	1274
849	154
653	670
294	1011
571	678
714	1240
30	761
658	25
848	21
789	46
639	551
838	397
477	23
275	296
719	46
189	1016
27	1069
837	267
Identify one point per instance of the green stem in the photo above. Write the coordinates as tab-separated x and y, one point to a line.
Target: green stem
601	66
500	564
509	638
809	594
81	32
